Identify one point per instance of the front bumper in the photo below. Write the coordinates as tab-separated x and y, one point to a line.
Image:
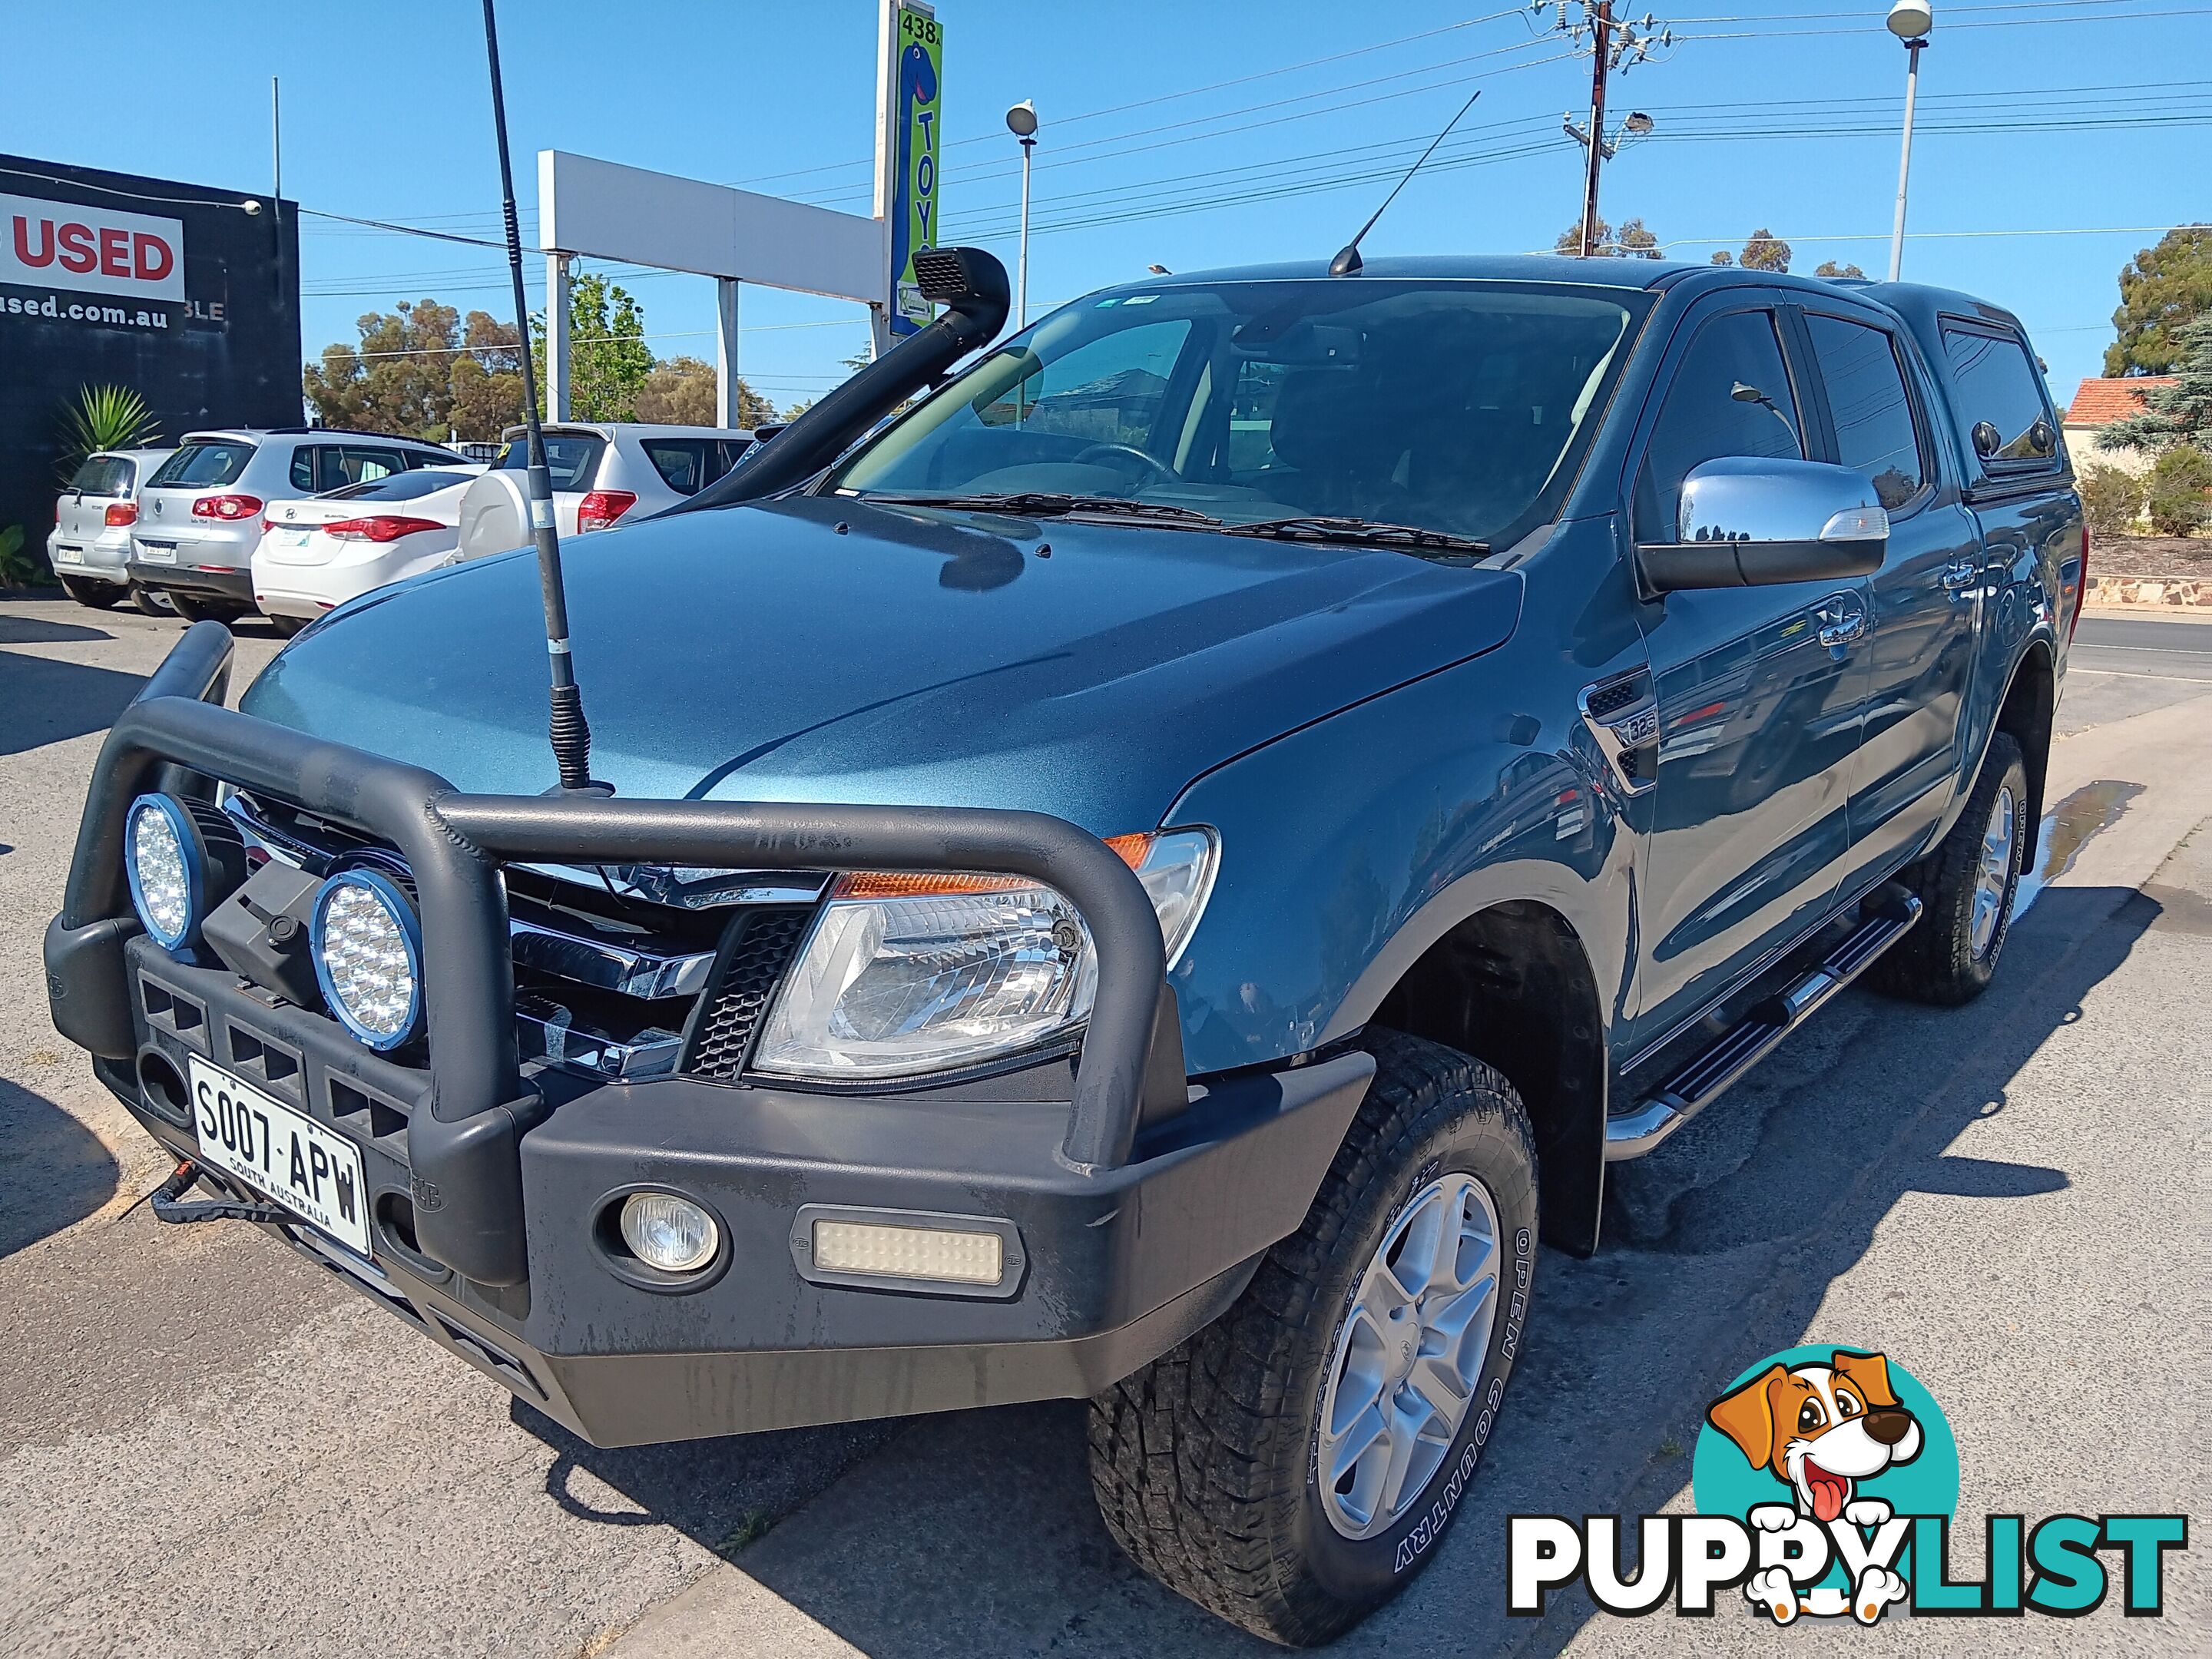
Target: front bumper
1134	1204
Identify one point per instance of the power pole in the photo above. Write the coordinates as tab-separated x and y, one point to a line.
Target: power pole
1615	43
1600	19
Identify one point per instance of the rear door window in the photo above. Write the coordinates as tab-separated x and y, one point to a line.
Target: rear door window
681	462
2004	417
364	465
573	457
102	475
1730	395
1876	434
203	466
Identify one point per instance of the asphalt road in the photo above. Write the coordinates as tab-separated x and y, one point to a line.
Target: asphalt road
212	1448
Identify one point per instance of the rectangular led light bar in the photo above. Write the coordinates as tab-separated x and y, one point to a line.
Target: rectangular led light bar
860	1247
907	1250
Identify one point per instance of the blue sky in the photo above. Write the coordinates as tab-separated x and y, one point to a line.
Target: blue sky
2040	116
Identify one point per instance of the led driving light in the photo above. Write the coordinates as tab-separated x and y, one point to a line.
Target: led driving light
668	1232
368	948
878	1252
910	973
181	861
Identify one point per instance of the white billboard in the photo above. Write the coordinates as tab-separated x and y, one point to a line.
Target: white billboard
98	250
608	212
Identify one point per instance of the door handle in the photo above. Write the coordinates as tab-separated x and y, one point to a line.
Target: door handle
1962	574
1838	631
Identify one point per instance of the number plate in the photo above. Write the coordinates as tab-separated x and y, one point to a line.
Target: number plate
289	538
281	1153
159	552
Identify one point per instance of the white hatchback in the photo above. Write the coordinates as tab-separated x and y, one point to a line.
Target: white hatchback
318	553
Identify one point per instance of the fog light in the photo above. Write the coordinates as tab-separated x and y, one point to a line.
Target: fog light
182	858
956	1258
368	957
670	1233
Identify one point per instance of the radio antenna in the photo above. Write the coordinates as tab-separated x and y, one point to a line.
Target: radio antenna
1347	262
571	734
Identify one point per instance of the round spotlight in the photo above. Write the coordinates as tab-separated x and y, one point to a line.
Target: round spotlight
181	859
1911	20
668	1232
368	948
1021	119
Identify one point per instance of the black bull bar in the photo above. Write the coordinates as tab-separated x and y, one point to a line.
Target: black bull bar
464	1151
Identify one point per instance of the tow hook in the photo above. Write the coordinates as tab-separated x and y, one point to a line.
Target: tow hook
167	1207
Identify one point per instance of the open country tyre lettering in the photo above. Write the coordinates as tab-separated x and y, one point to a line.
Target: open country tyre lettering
1240	1470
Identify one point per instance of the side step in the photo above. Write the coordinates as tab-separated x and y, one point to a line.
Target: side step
1889	915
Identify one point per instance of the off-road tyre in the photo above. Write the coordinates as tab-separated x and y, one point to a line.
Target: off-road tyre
193	609
151	601
1938	962
1203	1462
93	595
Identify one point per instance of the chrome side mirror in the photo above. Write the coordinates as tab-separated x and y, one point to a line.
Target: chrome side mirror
1750	522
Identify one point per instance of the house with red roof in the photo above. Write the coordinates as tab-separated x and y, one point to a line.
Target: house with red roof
2096	404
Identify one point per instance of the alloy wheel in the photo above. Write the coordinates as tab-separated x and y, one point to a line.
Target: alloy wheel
1408	1356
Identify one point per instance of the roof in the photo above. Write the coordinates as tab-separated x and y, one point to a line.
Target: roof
2101	402
1473	267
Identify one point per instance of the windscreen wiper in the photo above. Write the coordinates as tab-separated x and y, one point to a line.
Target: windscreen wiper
1052	504
1412	535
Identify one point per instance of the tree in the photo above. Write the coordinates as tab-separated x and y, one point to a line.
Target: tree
2111	497
105	417
682	391
2179	499
485	380
1764	252
2162	290
1633	241
1723	258
421	370
2179	412
395	380
608	358
1830	267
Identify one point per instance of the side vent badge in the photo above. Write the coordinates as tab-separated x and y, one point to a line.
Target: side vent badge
1623	715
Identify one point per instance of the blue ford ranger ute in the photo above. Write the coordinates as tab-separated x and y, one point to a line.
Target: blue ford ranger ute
1156	873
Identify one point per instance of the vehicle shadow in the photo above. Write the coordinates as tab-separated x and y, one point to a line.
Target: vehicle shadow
50	701
53	1170
724	1493
39	622
974	1533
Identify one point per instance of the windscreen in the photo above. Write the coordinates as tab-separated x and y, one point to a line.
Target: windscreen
203	466
1461	407
571	457
399	487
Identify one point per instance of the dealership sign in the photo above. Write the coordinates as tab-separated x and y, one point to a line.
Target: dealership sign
96	249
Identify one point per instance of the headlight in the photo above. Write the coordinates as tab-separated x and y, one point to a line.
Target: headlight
182	859
921	973
368	957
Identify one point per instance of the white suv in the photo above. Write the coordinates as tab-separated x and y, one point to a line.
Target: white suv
603	471
199	516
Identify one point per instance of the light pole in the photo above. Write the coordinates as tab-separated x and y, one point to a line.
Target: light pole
1022	122
1910	21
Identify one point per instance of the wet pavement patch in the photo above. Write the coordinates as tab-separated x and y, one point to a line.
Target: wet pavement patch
2066	829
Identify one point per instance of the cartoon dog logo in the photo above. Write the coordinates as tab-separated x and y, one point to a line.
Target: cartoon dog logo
1821	1429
